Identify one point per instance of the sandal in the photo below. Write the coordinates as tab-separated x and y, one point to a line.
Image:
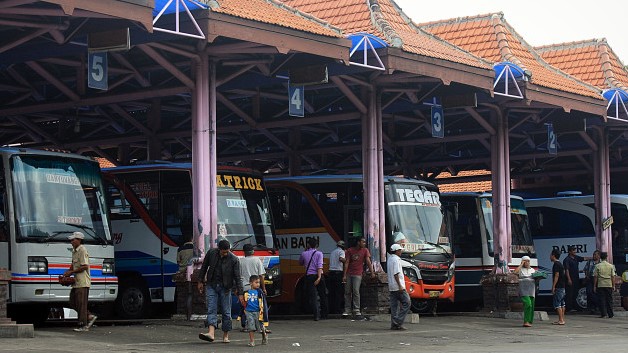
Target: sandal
225	340
557	323
251	344
206	337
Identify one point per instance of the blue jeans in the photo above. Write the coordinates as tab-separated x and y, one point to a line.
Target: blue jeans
559	298
217	295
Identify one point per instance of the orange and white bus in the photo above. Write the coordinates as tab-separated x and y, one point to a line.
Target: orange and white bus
331	208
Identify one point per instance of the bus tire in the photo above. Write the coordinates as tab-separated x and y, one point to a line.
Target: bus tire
133	300
581	298
422	306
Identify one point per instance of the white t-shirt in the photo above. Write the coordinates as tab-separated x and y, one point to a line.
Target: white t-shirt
250	265
393	266
334	259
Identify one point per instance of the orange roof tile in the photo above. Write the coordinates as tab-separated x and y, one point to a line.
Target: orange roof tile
387	21
472	34
104	162
276	13
592	61
471	186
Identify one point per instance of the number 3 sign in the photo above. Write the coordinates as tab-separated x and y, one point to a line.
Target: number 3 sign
97	70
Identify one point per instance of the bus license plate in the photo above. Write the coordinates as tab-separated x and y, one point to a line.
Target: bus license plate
434	294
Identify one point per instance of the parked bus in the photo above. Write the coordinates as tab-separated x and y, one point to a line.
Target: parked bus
472	229
331	208
151	213
559	222
45	197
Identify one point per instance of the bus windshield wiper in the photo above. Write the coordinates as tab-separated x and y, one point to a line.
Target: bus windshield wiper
52	236
264	247
441	247
91	233
239	241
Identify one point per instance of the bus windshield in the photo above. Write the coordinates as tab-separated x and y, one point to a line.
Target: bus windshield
416	218
244	218
519	224
54	197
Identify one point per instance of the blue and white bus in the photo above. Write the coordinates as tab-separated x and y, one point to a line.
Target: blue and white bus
558	222
45	196
151	213
472	229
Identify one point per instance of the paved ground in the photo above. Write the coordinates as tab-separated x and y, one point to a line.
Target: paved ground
447	333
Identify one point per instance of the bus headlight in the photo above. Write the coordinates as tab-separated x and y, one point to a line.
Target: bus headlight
273	273
452	271
108	267
37	264
412	273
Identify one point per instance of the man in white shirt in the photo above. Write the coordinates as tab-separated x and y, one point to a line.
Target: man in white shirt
336	287
399	298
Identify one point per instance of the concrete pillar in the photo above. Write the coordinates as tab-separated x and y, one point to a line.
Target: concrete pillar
8	328
372	178
500	178
601	176
204	154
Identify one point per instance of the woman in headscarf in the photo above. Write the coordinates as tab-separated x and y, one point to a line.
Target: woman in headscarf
527	290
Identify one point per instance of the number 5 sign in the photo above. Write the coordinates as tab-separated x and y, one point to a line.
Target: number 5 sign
296	98
97	70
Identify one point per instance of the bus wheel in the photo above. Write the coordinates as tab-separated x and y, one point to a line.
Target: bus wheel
581	298
133	300
422	306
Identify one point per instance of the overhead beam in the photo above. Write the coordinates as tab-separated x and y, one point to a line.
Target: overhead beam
96	100
158	58
349	94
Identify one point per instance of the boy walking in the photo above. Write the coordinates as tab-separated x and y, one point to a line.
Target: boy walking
253	305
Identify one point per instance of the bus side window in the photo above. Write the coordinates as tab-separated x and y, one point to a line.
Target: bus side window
466	229
119	208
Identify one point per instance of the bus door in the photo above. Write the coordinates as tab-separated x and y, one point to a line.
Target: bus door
353	224
4	231
4	226
177	221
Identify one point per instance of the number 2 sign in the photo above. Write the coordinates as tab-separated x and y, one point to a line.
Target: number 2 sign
552	145
97	70
296	98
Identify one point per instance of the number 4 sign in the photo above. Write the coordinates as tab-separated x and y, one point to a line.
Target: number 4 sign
296	98
97	70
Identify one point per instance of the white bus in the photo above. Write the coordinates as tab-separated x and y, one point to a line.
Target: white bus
151	215
45	196
558	222
331	208
472	229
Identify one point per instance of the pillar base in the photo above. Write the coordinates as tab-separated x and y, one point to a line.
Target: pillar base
17	331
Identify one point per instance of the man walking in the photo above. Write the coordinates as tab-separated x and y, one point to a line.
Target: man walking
79	294
572	273
558	287
336	269
604	282
356	258
220	274
312	260
399	298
